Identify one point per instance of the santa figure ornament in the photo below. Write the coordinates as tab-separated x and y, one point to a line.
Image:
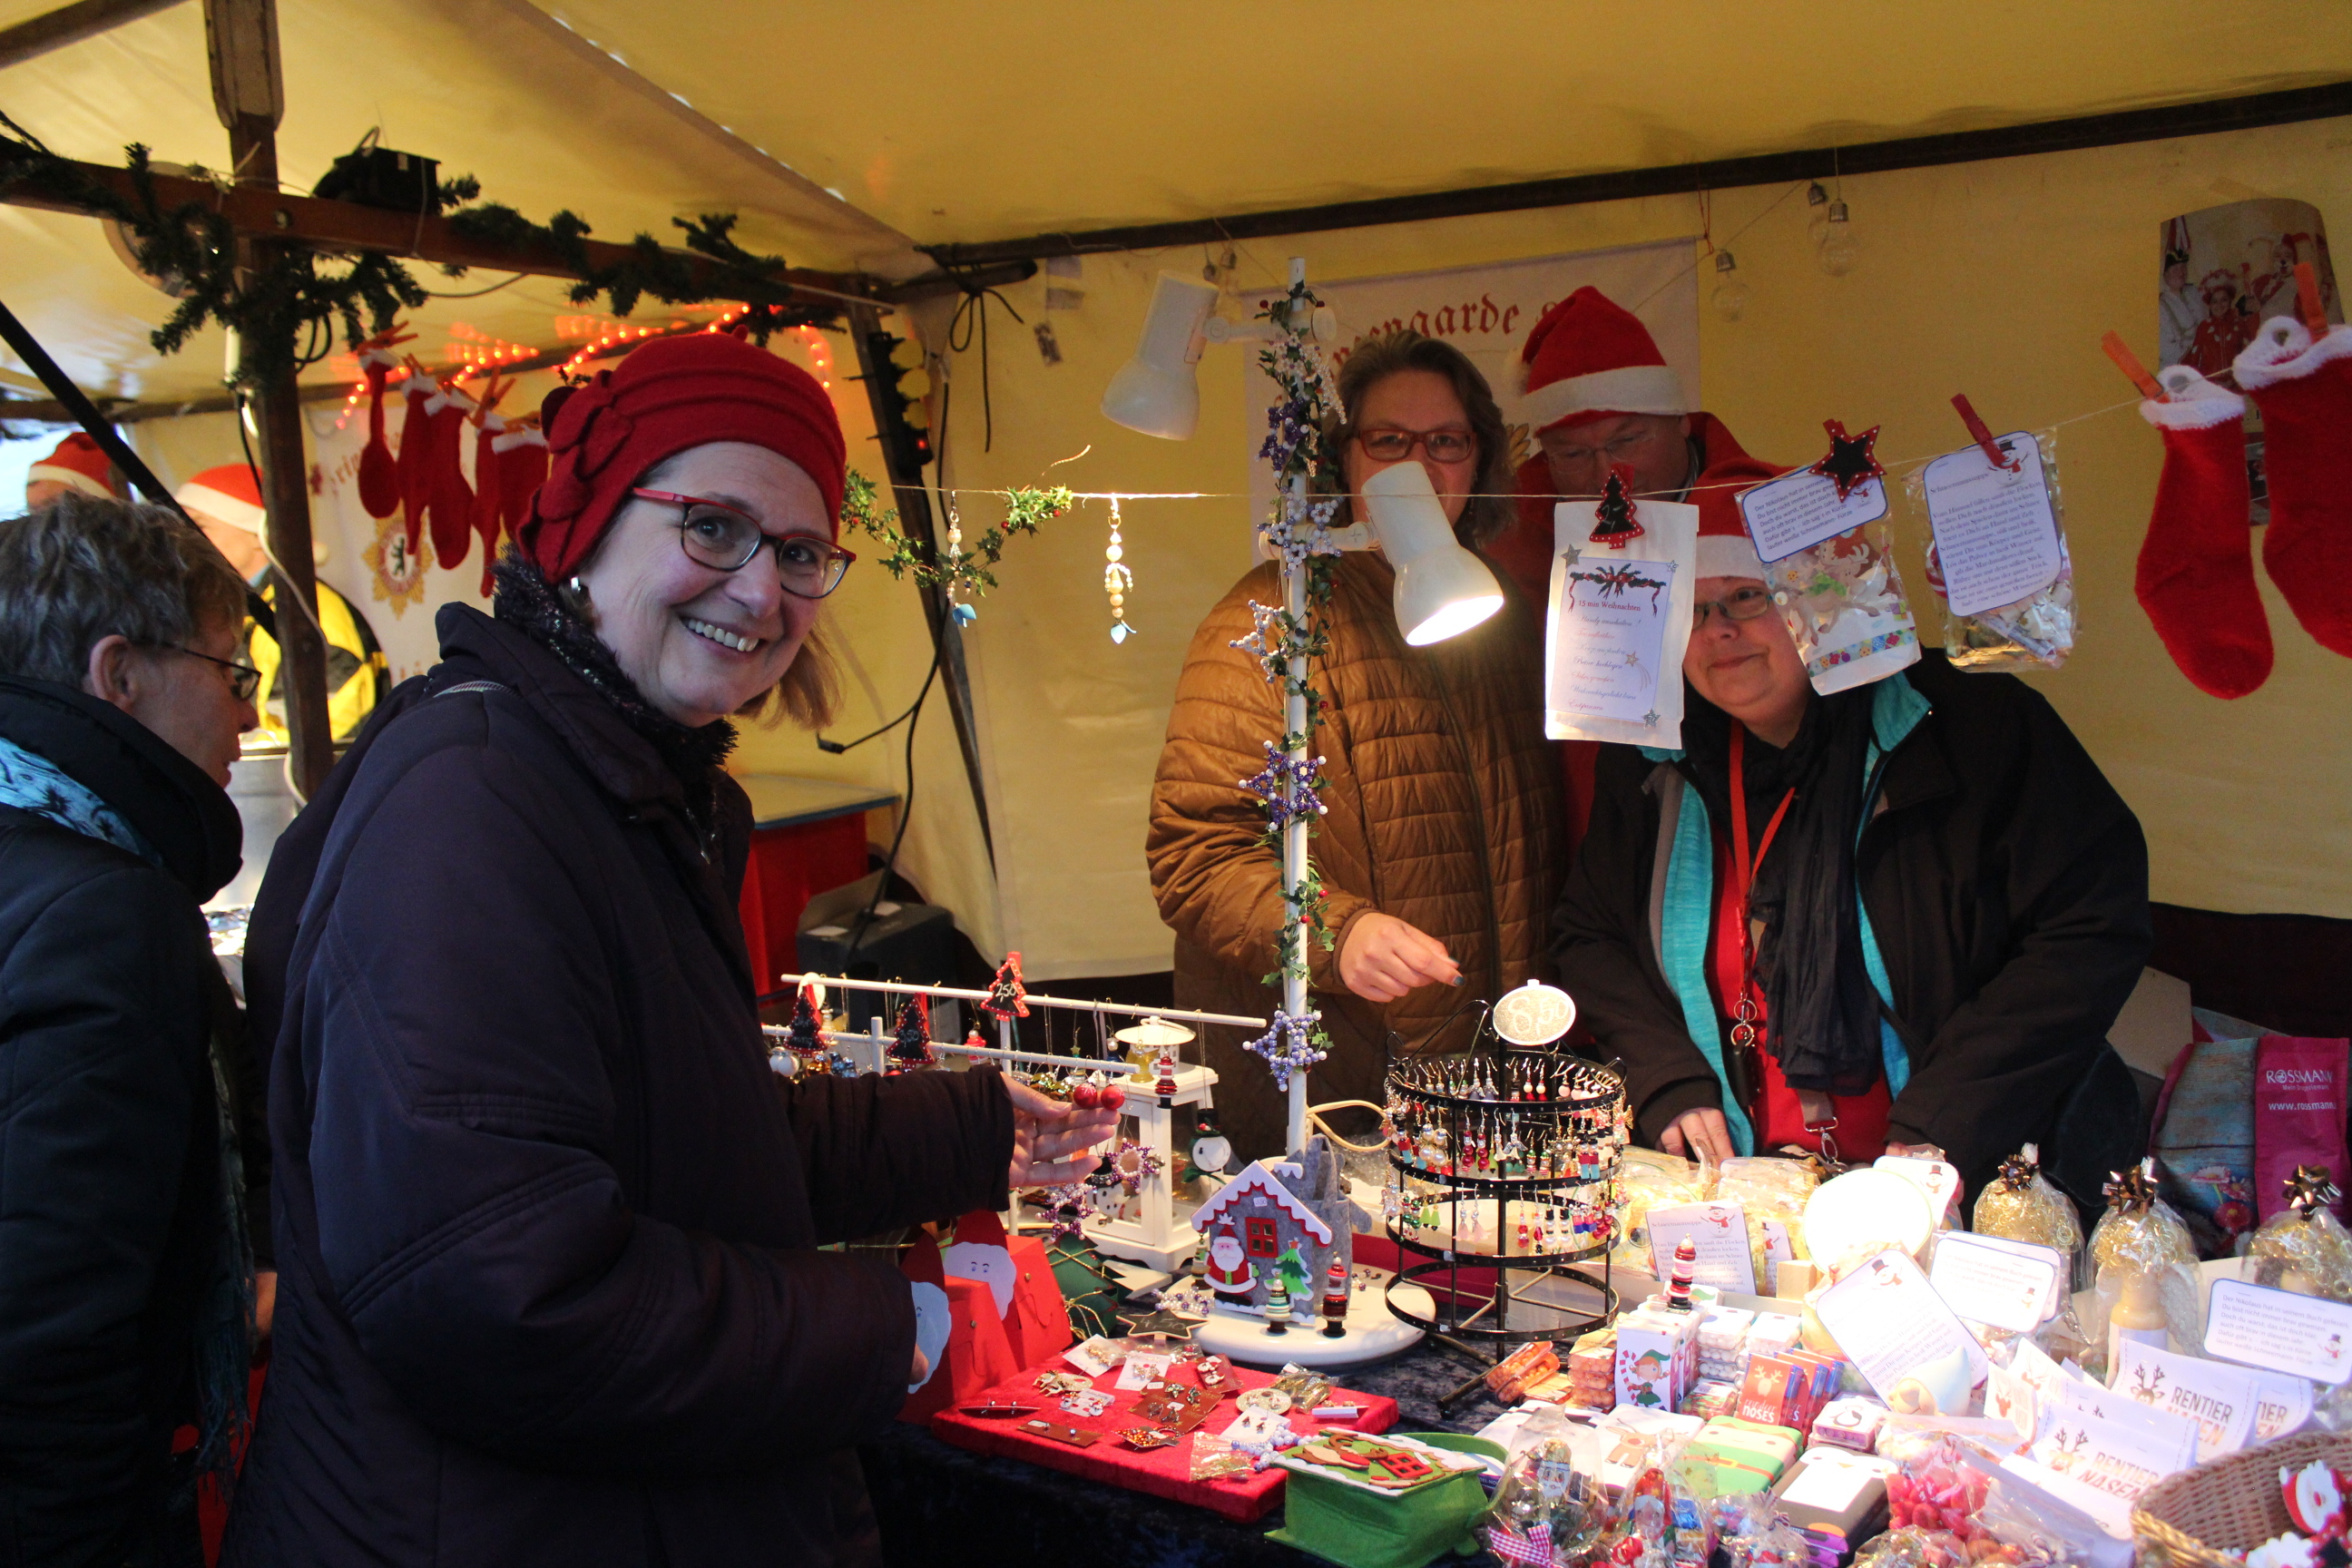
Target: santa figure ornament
2315	1499
1230	1274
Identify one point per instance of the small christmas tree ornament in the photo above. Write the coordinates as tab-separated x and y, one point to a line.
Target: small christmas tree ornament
807	1027
1617	526
1118	578
1849	463
1007	997
911	1047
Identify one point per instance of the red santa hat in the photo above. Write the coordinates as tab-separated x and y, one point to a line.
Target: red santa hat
1590	358
79	463
230	494
1724	547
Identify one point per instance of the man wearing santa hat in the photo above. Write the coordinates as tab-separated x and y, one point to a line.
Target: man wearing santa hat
78	464
227	504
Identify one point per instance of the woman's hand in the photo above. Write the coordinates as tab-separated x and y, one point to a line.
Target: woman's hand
1050	1139
1694	1131
1383	958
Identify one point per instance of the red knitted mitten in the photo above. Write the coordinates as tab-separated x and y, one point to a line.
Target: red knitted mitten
2196	577
2304	390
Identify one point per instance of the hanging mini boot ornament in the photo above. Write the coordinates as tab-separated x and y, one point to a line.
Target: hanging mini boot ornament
522	469
2299	374
489	485
2195	577
964	614
449	497
416	463
1118	579
379	475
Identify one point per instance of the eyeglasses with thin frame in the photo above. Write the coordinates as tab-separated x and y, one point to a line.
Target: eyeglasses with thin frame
1744	606
243	679
718	536
1386	444
1617	451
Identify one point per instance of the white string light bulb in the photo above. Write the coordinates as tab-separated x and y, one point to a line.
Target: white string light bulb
1730	296
1840	247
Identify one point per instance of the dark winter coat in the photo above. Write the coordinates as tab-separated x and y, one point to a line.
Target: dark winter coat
2007	883
550	1288
111	1201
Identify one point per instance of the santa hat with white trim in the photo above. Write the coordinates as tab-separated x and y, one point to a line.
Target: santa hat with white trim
1724	547
229	494
80	464
1590	358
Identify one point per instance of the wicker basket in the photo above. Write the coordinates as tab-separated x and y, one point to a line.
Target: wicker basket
2198	1518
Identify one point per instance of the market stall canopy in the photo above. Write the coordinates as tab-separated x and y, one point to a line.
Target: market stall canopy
846	136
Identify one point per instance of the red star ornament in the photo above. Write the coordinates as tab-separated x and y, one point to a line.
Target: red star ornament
1848	461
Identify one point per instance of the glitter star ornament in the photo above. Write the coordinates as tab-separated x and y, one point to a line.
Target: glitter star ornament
1849	464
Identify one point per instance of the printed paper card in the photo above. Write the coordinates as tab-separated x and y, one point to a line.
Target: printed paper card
1618	622
2033	1363
1799	511
2278	1332
1143	1369
2109	1512
2171	1435
1997	1286
1940	1180
2008	1397
1996	531
1890	1320
1718	1231
2108	1459
2220	1399
2281	1404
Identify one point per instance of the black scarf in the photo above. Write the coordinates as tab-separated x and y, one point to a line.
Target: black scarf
1821	1010
526	600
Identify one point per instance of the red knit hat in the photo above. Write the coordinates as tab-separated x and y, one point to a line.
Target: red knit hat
230	494
671	394
1589	358
1724	547
80	463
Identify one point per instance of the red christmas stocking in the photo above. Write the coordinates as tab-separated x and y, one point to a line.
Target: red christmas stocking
415	457
452	499
379	475
489	490
522	469
2304	391
2196	577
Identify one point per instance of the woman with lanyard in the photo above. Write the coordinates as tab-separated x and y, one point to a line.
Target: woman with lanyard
1903	914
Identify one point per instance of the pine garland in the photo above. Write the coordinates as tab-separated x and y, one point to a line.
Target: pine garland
963	573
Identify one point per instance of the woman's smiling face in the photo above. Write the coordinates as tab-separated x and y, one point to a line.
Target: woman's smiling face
699	643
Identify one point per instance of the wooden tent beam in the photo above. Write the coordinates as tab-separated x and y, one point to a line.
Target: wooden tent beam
2198	118
70	24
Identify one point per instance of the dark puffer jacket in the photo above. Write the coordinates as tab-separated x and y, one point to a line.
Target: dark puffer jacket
110	1207
550	1288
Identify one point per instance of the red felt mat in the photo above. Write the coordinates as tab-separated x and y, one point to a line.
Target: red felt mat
1160	1472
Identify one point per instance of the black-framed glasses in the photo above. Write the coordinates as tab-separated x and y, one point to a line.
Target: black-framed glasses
243	679
716	535
1388	444
1744	606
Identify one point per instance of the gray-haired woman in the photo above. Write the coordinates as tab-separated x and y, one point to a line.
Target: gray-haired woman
1440	852
124	1304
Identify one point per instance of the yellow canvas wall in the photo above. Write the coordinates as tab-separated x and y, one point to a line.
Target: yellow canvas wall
1994	279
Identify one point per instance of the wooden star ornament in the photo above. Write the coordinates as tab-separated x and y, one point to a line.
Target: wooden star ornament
1849	463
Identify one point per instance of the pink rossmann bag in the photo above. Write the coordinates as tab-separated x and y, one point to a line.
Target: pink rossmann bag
2299	1115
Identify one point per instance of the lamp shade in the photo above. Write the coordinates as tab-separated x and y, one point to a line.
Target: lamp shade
1442	590
1155	391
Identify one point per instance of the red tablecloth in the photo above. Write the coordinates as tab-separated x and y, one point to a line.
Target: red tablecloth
1160	1472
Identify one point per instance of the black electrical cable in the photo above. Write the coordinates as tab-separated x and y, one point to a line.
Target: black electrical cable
905	814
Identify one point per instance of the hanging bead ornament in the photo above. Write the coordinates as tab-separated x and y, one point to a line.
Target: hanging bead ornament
1287	786
1118	579
964	614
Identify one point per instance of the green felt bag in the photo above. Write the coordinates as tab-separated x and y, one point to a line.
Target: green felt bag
1359	1529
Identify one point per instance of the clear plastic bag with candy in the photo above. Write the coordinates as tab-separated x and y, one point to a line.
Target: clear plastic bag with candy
1548	1511
1842	602
2305	1247
2141	1236
2020	1204
2037	630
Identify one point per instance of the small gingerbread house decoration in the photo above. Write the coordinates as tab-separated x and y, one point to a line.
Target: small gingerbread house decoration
1299	1202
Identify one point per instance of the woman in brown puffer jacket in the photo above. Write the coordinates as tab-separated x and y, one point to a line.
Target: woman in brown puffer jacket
1441	850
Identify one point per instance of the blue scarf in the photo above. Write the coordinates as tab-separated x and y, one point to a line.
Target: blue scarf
30	782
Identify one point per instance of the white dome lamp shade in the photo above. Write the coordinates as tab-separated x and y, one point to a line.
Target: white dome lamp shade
1155	393
1442	590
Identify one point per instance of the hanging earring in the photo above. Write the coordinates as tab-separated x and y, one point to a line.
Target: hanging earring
1116	579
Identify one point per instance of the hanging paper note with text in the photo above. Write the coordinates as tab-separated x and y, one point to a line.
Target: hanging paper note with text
1996	530
1799	511
1618	622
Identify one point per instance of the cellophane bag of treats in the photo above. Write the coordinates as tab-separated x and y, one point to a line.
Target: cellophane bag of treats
2139	1234
2303	1247
2035	631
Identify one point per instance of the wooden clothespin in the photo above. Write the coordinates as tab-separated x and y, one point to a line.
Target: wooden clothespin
2128	363
1977	427
2306	299
491	393
391	338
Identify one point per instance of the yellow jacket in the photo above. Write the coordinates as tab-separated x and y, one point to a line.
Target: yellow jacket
357	674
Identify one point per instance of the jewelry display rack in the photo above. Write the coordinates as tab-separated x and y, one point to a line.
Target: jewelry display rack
1503	1163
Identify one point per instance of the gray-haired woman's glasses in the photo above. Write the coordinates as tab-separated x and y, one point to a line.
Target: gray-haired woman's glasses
716	535
1744	606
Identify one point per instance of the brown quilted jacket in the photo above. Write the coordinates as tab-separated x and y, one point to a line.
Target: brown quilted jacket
1444	810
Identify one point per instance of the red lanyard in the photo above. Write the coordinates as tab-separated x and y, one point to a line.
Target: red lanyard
1743	873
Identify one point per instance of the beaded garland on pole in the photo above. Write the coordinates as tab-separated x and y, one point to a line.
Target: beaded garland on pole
1284	640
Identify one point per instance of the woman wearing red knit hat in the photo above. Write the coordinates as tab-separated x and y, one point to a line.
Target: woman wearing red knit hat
548	1229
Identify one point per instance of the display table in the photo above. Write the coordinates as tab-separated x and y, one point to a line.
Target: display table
807	835
940	1505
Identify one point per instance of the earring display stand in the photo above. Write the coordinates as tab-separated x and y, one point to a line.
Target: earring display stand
1504	1171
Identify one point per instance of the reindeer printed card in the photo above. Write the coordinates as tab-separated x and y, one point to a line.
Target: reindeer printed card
2108	1462
2220	1399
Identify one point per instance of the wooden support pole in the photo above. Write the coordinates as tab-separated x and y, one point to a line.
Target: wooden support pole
70	24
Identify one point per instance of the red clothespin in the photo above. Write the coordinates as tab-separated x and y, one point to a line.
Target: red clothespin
2306	299
1993	454
2128	363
